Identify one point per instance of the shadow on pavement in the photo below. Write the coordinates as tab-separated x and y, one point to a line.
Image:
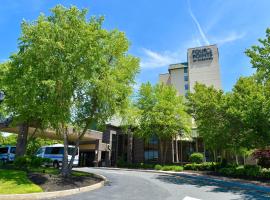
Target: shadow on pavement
247	191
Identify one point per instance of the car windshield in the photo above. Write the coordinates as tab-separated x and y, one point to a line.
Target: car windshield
3	150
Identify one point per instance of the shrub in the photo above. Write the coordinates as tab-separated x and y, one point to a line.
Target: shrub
252	170
26	162
196	158
178	168
206	166
158	167
22	162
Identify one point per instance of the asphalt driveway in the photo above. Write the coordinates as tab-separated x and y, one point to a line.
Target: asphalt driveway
129	185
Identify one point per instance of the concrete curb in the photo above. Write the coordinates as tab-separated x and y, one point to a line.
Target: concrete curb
55	194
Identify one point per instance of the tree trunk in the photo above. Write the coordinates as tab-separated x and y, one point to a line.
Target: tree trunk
236	159
204	152
176	149
165	151
129	147
181	151
65	168
172	150
22	140
161	150
197	148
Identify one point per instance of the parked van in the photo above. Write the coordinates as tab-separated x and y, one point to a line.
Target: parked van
7	153
56	153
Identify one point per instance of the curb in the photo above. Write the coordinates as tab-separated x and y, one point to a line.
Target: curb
55	194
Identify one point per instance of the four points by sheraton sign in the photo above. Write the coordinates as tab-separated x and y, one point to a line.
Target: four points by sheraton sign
202	54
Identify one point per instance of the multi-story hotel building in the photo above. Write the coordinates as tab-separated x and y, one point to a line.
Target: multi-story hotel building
202	66
105	148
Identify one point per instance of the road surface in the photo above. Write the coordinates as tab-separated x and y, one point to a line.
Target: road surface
136	185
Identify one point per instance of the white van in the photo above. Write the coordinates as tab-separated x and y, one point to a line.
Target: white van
56	152
7	153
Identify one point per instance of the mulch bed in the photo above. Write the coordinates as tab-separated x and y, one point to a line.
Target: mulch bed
49	182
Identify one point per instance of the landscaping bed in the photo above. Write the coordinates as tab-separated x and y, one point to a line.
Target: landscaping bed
52	182
41	179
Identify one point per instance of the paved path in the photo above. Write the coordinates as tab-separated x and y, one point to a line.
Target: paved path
135	185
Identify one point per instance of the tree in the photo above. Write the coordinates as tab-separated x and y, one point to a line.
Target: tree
250	107
163	114
83	71
207	107
260	57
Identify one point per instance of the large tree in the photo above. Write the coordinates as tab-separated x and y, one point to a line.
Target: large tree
162	114
208	107
83	72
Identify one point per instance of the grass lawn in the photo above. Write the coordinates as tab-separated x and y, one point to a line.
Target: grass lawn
16	182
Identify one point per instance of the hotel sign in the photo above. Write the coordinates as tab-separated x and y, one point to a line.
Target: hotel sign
202	54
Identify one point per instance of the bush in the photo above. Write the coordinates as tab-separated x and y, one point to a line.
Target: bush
158	167
206	166
22	162
196	158
178	168
26	162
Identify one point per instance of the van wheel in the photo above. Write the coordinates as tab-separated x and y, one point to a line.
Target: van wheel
56	164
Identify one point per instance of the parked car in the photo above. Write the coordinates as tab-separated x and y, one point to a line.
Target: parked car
7	153
56	153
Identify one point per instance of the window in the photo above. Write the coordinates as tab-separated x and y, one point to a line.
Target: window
186	86
185	70
186	78
3	150
13	150
151	150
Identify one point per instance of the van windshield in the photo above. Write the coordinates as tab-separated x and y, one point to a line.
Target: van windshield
3	150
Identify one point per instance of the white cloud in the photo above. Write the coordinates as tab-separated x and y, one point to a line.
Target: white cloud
231	37
152	59
198	25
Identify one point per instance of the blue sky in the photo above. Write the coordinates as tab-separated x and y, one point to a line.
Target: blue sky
161	31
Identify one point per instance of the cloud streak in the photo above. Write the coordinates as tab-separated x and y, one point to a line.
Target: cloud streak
198	25
152	59
233	36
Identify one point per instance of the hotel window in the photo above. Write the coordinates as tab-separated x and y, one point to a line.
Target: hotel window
186	78
186	86
151	150
185	70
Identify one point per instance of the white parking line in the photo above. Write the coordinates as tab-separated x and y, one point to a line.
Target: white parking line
190	198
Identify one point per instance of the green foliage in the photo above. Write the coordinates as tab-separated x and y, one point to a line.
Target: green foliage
162	114
260	57
196	158
8	140
206	166
27	162
207	106
247	171
158	167
22	162
175	168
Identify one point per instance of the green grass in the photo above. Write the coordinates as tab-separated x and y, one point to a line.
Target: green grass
16	182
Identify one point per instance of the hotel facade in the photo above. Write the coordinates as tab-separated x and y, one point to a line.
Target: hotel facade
105	148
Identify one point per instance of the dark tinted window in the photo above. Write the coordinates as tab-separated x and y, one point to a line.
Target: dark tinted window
48	150
186	86
186	78
3	150
13	150
185	70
